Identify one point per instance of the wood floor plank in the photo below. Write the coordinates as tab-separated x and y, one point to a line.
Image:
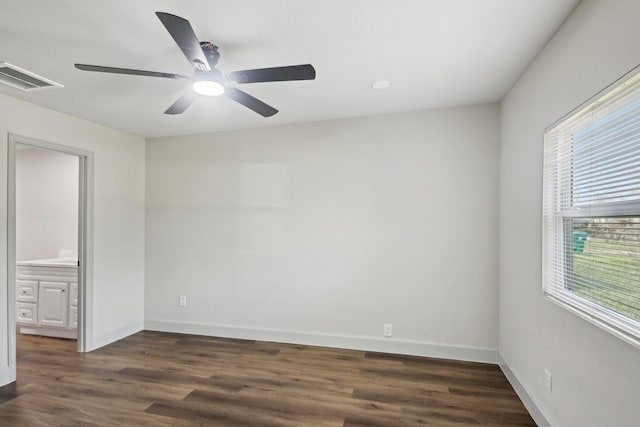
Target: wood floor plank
320	405
178	379
232	416
170	380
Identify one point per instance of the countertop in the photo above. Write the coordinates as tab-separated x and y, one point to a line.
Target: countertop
50	262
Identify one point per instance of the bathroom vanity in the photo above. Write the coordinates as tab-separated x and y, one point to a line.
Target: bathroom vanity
47	297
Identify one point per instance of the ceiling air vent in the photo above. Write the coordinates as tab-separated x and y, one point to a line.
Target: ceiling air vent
24	80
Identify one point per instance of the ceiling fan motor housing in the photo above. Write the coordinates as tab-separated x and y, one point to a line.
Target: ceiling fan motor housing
213	75
211	53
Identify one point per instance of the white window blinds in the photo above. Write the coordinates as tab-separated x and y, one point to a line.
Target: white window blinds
591	210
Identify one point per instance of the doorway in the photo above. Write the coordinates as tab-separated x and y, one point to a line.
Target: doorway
79	257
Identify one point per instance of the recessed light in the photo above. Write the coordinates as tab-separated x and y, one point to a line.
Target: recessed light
208	88
381	84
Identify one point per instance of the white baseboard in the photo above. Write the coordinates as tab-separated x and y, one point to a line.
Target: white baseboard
365	343
46	332
114	336
537	413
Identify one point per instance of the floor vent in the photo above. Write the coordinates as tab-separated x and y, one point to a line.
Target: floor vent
17	78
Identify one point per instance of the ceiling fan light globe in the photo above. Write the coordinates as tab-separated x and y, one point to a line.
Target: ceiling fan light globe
208	88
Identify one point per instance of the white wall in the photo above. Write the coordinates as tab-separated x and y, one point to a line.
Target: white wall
118	275
596	377
322	232
46	203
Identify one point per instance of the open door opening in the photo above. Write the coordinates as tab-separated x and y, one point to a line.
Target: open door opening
48	254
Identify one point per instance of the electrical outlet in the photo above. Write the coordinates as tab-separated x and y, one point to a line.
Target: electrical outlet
388	329
183	301
547	381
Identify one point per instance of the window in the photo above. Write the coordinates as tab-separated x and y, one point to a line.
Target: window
591	210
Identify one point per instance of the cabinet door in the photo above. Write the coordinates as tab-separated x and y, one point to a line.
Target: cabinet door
53	304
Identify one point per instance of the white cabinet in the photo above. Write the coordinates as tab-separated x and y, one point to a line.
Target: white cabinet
47	298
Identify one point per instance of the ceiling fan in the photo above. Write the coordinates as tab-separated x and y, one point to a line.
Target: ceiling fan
207	80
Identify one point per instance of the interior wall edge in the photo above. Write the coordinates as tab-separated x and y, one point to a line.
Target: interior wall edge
351	342
524	393
114	336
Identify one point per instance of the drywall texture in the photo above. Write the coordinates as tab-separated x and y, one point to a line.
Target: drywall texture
330	229
118	193
46	203
596	377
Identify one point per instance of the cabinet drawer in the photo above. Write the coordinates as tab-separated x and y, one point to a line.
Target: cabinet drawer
73	317
26	313
73	294
26	291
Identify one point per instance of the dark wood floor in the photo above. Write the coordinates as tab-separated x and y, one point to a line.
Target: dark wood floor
161	379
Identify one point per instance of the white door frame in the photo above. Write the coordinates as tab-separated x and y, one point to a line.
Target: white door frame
85	242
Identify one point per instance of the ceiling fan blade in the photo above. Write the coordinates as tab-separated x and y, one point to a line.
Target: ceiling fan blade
275	74
114	70
183	34
250	102
181	104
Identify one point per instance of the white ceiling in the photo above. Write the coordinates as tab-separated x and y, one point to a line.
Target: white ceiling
435	53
